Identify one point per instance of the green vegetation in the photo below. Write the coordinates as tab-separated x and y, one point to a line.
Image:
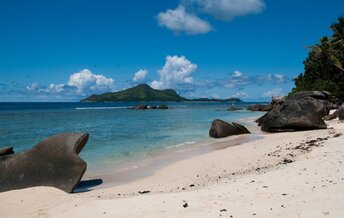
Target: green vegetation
144	92
324	66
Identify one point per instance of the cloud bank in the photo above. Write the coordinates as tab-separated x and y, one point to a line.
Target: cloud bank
226	10
186	17
273	92
79	84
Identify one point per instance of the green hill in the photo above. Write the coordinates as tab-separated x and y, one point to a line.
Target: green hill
142	92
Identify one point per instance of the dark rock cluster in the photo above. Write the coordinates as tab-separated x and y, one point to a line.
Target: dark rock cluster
300	111
144	107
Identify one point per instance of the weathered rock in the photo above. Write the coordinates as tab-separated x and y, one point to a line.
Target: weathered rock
6	151
163	107
341	112
221	129
320	95
140	107
334	106
296	115
260	107
52	162
277	101
234	109
331	116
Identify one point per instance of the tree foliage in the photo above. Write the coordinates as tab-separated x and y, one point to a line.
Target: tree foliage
324	66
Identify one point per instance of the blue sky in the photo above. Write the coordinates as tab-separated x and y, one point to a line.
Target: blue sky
65	50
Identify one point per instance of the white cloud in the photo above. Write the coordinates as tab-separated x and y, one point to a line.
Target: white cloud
236	74
55	88
176	73
238	79
226	10
215	96
79	84
240	94
140	75
276	78
273	92
180	21
85	80
32	87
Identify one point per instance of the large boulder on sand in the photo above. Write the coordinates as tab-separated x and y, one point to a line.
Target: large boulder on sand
319	95
221	129
301	111
52	162
341	112
6	151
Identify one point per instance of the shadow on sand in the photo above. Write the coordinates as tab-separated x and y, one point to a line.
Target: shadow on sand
87	185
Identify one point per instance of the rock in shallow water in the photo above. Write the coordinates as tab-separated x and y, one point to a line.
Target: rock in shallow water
163	107
52	162
221	129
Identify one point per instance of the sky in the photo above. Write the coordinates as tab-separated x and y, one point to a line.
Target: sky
65	50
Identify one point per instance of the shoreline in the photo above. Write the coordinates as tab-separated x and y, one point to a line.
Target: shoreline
297	174
144	166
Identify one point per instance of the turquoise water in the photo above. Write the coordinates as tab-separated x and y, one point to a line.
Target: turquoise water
117	134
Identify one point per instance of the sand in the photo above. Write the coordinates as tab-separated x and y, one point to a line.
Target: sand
297	174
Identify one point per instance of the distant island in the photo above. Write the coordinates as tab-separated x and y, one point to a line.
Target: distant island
144	92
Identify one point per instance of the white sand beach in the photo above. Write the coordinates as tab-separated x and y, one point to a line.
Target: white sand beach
297	174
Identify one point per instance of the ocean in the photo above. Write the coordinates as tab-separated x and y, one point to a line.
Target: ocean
117	134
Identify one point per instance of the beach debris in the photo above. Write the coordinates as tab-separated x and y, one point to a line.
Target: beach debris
286	161
192	185
221	129
337	135
307	146
52	162
185	204
6	151
223	210
143	192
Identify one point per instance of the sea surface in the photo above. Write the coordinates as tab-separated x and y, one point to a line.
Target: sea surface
117	134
